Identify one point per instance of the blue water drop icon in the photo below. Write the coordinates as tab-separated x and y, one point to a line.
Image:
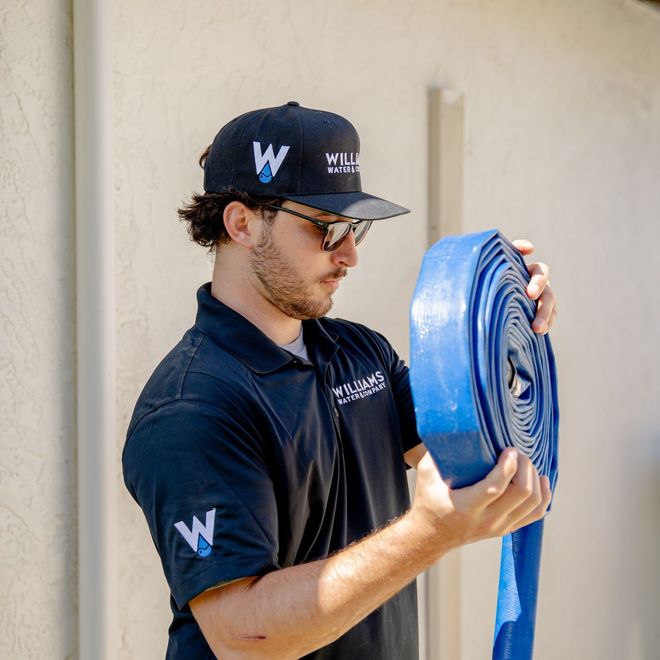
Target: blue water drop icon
266	175
203	548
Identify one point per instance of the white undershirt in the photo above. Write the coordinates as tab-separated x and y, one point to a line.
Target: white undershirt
297	347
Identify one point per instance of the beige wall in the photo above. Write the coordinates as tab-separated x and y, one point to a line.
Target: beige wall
562	146
37	362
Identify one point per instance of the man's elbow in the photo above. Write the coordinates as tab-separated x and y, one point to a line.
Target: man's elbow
224	622
246	647
249	647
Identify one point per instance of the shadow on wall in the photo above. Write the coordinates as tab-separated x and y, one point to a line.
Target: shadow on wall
644	499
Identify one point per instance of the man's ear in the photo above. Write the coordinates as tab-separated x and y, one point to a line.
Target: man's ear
241	224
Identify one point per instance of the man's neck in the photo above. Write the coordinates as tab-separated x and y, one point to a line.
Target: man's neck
235	287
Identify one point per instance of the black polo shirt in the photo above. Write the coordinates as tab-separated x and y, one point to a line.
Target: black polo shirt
245	459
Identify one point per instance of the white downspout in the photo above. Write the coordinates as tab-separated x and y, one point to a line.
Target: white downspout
95	328
446	141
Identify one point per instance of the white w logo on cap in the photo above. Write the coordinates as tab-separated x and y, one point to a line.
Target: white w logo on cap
268	163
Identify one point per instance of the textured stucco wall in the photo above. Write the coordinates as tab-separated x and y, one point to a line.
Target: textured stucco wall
563	137
562	146
37	362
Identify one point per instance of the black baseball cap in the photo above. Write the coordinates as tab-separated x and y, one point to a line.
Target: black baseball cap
295	153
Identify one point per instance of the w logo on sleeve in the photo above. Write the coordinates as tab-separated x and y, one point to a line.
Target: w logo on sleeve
200	537
268	163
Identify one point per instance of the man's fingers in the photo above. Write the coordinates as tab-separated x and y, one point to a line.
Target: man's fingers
545	311
538	288
523	493
539	276
529	489
511	496
538	512
523	246
495	483
538	270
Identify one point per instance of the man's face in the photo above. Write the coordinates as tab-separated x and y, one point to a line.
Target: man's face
296	275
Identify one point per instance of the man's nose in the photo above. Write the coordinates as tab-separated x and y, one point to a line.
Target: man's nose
346	254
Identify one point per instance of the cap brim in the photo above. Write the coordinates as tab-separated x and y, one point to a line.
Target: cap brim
354	205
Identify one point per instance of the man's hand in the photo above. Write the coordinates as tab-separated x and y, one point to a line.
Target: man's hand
293	611
510	496
539	289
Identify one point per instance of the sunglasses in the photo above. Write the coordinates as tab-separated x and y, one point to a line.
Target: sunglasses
335	232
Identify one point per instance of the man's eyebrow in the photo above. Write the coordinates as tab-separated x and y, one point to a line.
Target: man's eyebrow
323	214
329	216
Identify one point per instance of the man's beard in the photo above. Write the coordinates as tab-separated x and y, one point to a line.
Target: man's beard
285	289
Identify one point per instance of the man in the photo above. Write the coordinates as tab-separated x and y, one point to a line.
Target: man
268	450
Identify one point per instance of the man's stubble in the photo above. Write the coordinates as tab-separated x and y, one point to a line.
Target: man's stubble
284	287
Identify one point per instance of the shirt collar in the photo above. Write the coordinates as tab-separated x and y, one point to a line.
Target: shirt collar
236	335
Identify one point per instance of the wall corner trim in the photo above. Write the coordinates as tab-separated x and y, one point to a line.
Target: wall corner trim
95	330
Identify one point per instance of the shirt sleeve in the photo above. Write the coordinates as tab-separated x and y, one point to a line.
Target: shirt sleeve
400	379
202	481
405	406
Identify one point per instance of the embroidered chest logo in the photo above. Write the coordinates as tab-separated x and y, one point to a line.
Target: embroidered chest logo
267	163
200	537
360	388
343	162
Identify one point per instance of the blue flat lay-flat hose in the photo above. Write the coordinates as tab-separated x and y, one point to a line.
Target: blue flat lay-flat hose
482	381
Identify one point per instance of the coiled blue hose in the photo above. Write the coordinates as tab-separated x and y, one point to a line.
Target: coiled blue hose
482	381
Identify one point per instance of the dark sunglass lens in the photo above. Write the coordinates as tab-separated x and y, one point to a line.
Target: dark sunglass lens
361	230
337	232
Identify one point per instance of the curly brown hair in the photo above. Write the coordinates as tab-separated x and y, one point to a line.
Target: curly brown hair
204	213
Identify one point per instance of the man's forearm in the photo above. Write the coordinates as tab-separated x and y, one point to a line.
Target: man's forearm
296	610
